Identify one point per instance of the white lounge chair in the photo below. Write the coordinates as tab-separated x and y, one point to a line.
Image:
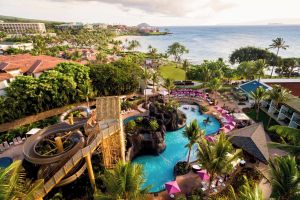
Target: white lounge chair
6	145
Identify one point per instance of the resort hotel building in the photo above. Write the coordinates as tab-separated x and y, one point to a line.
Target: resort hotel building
286	113
19	28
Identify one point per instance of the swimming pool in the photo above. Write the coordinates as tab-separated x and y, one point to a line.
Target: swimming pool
5	162
159	169
252	86
128	119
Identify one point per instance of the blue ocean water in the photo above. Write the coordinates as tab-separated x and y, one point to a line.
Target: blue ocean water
213	42
159	169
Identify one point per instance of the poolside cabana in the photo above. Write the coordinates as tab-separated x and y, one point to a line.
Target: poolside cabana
32	132
252	140
240	117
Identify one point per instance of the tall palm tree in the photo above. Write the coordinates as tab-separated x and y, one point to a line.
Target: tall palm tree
260	66
285	178
290	137
123	182
278	44
214	156
169	85
14	185
185	66
258	95
193	133
278	95
155	79
246	192
146	76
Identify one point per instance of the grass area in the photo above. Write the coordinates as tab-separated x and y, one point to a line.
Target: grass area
262	117
157	33
171	71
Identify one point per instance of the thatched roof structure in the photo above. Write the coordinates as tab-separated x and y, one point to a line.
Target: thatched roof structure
253	140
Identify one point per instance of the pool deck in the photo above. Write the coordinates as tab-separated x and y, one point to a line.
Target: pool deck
15	152
187	184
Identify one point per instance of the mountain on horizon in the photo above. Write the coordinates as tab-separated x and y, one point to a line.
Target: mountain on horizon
143	25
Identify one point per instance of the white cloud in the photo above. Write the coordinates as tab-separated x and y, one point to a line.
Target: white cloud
166	7
156	12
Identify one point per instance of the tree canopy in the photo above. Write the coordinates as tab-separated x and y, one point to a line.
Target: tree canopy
177	50
65	84
121	77
252	54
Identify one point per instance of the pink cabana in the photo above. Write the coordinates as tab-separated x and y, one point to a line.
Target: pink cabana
203	175
172	187
210	138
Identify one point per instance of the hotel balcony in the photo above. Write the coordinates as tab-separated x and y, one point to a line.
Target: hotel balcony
295	121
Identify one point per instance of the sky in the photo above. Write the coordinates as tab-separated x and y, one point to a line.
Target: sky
157	12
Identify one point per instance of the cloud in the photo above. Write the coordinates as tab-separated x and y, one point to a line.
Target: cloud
177	8
166	7
219	6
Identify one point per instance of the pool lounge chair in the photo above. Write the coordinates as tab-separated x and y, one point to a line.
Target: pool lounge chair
6	145
2	148
15	141
19	139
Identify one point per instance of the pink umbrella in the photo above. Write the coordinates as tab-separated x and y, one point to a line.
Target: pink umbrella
172	187
210	138
228	126
232	123
225	130
224	111
203	175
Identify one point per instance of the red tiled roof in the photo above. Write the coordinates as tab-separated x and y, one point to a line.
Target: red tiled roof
5	76
27	63
293	87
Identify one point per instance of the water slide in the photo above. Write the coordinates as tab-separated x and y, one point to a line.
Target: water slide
50	164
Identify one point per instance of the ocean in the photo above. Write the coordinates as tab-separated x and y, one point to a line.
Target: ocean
213	42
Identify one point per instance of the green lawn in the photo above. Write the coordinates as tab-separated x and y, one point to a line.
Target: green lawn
262	117
171	71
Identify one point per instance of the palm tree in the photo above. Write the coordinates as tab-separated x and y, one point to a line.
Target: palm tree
146	76
214	156
285	178
14	185
193	133
246	192
292	135
258	95
259	67
185	67
169	85
133	44
123	182
155	80
152	51
214	84
278	44
278	95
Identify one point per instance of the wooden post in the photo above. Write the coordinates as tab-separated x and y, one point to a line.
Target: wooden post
71	119
90	171
59	144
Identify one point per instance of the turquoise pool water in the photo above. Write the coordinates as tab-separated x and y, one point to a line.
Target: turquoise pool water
128	119
5	162
159	169
252	86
